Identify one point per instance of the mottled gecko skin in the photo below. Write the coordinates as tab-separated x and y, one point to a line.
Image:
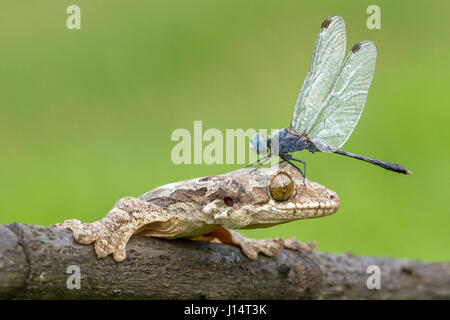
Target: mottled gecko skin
207	208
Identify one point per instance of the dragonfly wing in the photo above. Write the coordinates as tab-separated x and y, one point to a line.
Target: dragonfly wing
329	51
342	109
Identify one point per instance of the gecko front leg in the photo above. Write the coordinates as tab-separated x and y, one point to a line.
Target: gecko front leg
111	234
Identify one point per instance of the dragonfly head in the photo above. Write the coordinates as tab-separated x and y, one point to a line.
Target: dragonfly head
258	144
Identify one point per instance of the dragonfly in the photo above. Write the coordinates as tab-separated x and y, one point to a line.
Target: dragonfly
330	102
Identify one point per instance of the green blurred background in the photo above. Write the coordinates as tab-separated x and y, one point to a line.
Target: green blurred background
86	115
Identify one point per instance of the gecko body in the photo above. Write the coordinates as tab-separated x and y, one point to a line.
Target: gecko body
208	208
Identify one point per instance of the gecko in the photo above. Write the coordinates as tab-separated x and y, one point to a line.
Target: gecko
209	208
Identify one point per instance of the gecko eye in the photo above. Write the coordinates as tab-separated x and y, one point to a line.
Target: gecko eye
281	187
229	201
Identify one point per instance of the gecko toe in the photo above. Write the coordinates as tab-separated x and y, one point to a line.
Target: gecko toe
111	243
119	253
83	233
269	251
294	244
67	224
103	248
249	251
310	246
270	247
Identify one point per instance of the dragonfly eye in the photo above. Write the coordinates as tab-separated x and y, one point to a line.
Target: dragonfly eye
281	187
258	144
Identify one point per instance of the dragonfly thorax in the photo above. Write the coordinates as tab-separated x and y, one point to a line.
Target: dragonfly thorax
288	141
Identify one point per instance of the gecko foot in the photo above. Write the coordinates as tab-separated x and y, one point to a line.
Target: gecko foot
251	247
294	244
269	247
107	238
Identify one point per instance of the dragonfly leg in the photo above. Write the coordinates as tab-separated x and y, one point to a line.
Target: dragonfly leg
295	167
288	158
257	161
263	160
304	166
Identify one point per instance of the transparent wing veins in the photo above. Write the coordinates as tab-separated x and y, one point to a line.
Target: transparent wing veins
340	112
329	51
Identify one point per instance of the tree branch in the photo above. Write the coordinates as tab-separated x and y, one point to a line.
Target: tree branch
34	260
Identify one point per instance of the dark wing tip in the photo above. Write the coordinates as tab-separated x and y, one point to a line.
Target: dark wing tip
356	47
326	23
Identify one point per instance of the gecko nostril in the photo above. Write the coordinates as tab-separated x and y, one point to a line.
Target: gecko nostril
229	201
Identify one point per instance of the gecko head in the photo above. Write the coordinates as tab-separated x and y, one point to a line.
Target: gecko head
248	198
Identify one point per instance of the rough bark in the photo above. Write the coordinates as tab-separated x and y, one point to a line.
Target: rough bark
34	261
